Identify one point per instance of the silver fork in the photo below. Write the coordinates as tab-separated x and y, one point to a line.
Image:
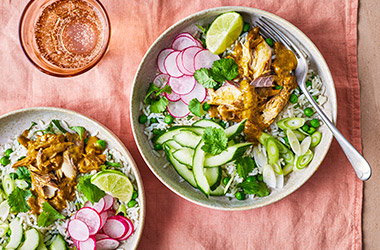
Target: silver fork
272	30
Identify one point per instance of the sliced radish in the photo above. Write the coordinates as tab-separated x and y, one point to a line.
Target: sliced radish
170	64
131	228
91	218
180	65
178	109
110	213
182	85
184	34
199	92
89	244
109	200
160	80
161	59
100	236
115	227
188	56
183	42
204	59
78	230
107	244
98	206
173	97
200	45
104	216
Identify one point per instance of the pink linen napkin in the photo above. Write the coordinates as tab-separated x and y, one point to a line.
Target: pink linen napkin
325	213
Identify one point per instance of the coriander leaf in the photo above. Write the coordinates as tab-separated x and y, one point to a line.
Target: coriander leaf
48	216
196	108
32	125
17	200
256	187
57	123
152	88
166	89
244	166
81	131
215	140
204	77
224	69
89	190
112	164
159	105
201	28
23	173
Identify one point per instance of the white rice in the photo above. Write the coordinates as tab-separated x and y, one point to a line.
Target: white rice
59	227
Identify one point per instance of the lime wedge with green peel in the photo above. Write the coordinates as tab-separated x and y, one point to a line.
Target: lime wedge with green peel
114	183
223	32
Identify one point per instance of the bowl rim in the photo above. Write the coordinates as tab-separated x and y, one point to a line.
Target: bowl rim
124	152
60	75
283	23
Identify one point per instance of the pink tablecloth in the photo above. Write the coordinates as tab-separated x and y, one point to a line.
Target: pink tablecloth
325	213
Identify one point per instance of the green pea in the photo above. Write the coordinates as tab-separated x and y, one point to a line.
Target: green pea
278	87
251	178
226	180
246	27
101	144
157	131
135	195
293	98
157	146
5	160
13	176
153	120
132	203
315	123
240	195
8	152
311	130
168	119
269	41
309	112
308	83
305	128
143	119
206	106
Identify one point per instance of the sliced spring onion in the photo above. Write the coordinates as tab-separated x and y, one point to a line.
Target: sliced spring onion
21	184
281	147
305	145
291	123
272	151
269	177
280	181
293	141
288	156
259	157
300	136
304	160
316	138
229	183
4	210
3	229
277	168
263	138
288	168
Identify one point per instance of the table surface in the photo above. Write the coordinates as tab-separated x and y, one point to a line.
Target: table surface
369	73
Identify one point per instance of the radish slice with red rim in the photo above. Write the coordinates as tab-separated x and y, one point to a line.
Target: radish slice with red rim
178	109
184	34
161	59
109	200
161	80
115	227
131	227
182	85
188	56
204	59
183	42
107	244
180	65
78	230
199	92
91	218
171	66
100	236
103	216
89	244
98	206
173	97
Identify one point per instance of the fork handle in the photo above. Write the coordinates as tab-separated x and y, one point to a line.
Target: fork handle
360	165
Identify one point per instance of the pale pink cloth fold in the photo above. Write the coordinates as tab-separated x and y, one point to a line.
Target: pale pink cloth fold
325	213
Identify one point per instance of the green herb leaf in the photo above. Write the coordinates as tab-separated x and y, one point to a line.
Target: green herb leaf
48	130
57	123
32	125
89	190
23	174
224	69
159	105
48	216
112	164
204	77
17	200
166	89
244	166
196	108
152	88
256	187
81	131
215	140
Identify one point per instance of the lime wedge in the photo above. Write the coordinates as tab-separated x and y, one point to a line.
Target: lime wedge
223	32
114	183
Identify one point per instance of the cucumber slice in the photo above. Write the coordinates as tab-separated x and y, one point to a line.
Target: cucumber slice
16	234
235	129
213	175
173	145
204	123
181	169
198	169
4	210
8	185
32	240
184	156
187	138
230	154
58	243
175	130
3	229
291	123
219	191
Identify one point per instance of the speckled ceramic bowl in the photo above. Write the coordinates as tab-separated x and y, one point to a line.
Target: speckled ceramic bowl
14	123
168	176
